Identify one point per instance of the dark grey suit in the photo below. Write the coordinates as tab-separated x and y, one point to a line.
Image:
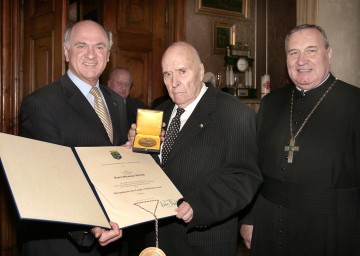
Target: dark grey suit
213	163
59	113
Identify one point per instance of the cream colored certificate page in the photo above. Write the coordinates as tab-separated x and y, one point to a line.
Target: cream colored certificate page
130	187
47	182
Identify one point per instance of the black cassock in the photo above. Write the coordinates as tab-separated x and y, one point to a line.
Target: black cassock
310	206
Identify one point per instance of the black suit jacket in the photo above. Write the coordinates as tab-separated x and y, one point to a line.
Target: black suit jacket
213	163
132	105
59	113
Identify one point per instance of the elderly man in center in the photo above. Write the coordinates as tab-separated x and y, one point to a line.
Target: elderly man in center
213	159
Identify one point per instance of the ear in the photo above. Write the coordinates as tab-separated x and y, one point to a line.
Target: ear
202	71
108	56
329	52
66	52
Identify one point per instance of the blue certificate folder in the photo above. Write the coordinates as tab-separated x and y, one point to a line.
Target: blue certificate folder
85	185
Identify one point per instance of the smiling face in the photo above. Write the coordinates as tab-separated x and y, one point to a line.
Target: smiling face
183	73
87	50
308	61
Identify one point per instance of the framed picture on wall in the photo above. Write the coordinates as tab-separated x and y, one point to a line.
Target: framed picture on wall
224	35
231	8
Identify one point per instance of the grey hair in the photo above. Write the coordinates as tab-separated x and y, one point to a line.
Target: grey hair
307	26
70	26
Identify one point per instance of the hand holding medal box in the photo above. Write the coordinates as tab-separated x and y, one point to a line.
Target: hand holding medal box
148	131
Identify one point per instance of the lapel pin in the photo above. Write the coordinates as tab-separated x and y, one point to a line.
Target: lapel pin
201	126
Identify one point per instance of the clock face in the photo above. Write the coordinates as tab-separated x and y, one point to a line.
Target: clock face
242	64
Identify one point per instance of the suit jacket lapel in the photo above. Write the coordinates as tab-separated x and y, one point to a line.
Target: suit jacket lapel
198	120
78	101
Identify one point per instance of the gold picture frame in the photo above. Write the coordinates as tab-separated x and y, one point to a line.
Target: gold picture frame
230	8
224	35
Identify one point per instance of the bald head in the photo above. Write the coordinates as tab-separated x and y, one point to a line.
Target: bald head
183	73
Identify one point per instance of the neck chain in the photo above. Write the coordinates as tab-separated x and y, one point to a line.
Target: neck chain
153	214
291	147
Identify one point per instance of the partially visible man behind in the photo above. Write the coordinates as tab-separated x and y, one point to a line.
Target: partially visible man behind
120	81
63	113
309	142
213	159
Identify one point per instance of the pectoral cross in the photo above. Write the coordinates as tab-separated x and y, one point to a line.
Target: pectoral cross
291	148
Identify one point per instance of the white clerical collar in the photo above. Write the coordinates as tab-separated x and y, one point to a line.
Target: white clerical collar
301	90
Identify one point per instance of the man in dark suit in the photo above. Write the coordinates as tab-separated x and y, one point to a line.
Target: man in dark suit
63	113
213	161
120	81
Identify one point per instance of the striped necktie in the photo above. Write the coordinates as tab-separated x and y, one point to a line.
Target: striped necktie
102	112
171	135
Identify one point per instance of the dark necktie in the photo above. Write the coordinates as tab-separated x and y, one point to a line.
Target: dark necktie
171	135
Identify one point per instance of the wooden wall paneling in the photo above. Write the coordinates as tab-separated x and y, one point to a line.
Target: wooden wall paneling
282	18
176	21
43	54
138	43
10	64
142	30
138	63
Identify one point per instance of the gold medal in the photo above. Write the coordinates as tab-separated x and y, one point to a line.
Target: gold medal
152	251
147	142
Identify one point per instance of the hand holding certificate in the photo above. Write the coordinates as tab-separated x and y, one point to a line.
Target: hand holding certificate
85	185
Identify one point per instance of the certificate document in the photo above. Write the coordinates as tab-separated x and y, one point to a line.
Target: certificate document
85	185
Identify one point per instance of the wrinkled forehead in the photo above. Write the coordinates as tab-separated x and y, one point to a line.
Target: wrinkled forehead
89	32
177	56
306	37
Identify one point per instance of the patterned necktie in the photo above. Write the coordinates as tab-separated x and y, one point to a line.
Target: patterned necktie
102	112
171	135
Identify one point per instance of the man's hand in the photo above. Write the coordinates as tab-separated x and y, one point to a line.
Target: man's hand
246	233
131	136
107	236
185	212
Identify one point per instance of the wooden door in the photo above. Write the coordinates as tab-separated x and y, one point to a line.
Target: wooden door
142	31
44	22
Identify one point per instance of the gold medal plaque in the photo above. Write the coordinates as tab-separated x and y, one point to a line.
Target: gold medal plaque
147	142
152	251
148	130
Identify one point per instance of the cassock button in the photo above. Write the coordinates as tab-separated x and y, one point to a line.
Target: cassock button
283	169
